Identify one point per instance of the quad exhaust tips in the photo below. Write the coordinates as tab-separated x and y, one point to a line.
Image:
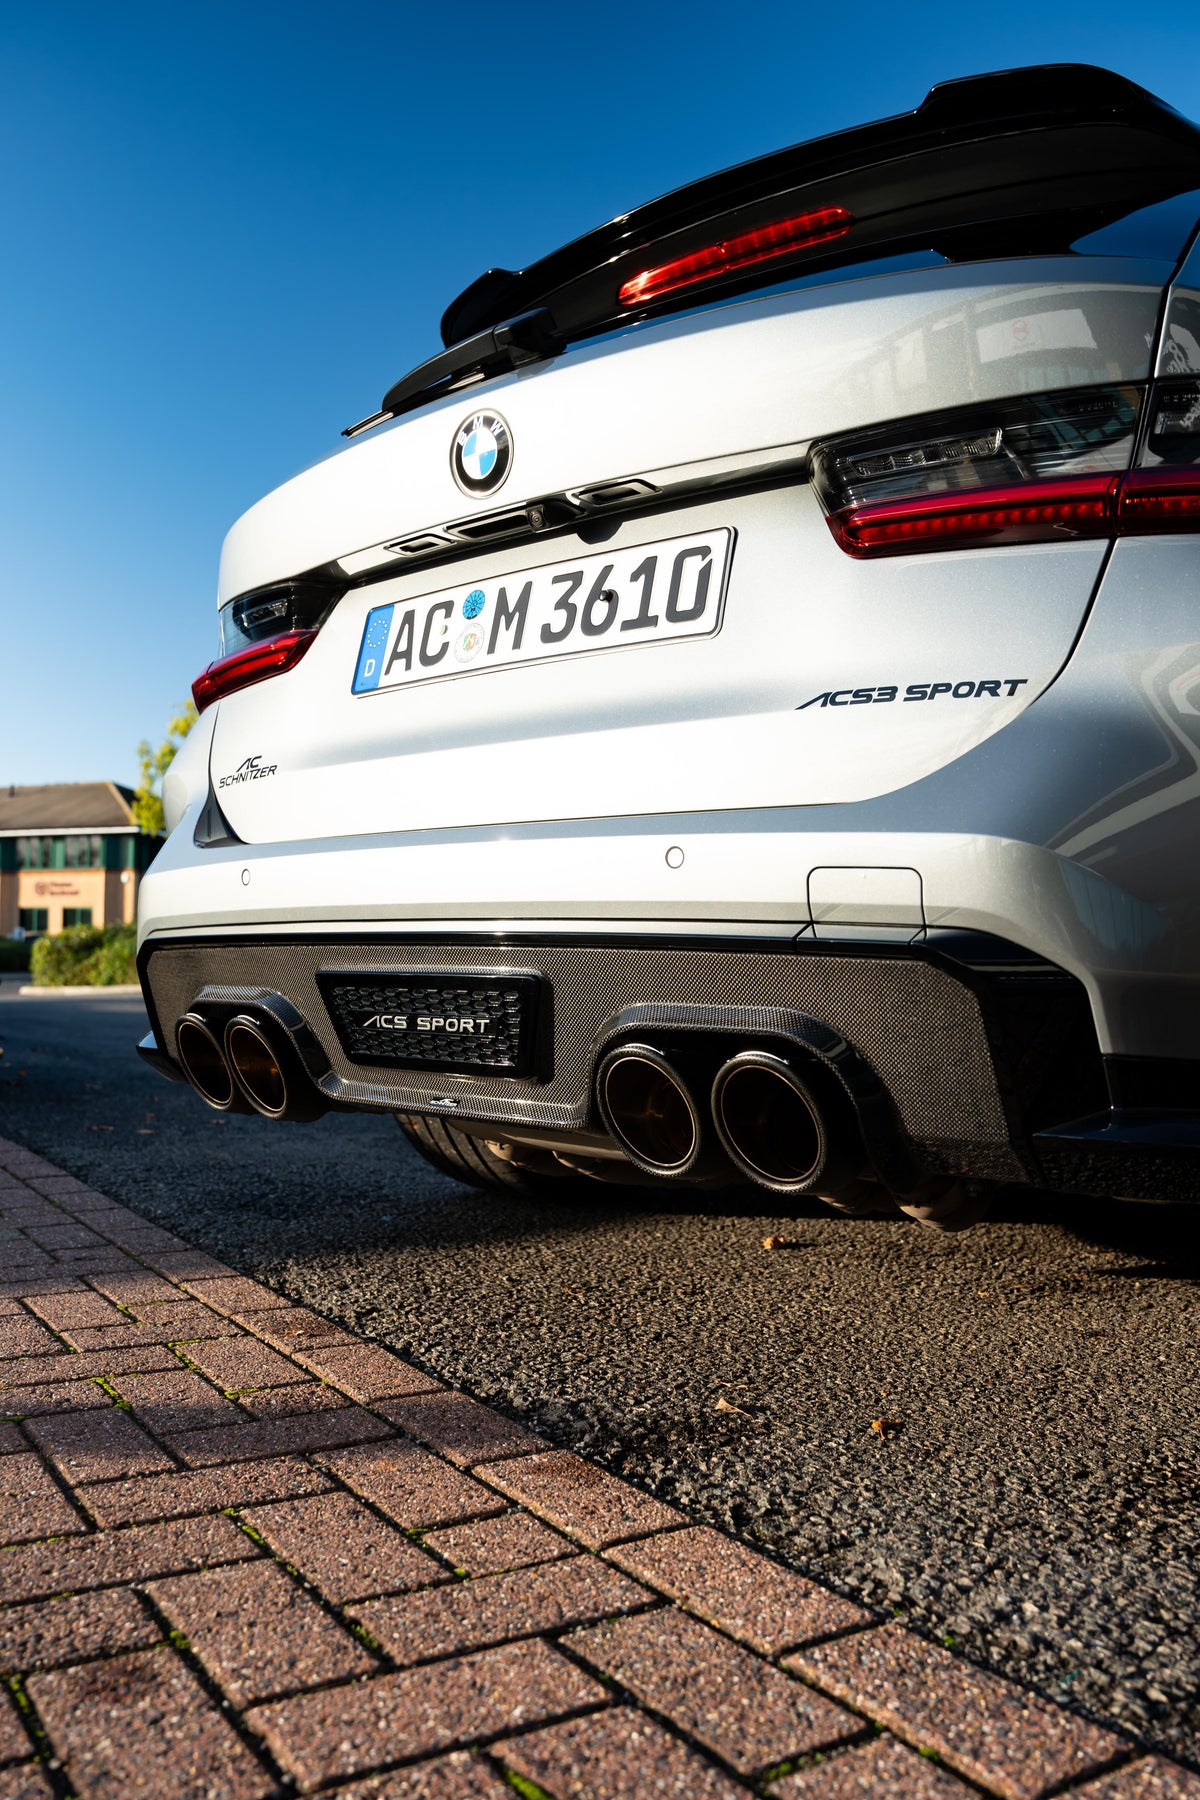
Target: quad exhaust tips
782	1131
246	1063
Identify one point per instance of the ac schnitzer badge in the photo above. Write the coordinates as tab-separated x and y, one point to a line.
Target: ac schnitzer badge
481	454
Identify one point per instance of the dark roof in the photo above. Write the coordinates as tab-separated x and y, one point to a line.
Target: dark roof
67	806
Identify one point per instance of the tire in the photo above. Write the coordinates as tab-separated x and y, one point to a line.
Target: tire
470	1159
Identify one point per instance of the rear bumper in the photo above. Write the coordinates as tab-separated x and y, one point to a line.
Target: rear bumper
986	1053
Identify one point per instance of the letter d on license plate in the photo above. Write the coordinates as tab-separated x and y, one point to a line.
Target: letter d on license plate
673	589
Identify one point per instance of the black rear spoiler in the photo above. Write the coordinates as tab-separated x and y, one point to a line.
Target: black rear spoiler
1112	140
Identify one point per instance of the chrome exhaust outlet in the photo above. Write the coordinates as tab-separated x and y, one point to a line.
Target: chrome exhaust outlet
268	1071
203	1062
254	1062
646	1106
784	1131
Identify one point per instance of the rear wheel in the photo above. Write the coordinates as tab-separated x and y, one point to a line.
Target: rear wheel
474	1160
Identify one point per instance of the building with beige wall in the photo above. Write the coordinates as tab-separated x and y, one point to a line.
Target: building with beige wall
70	854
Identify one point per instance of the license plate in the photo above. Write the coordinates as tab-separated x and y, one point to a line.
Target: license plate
486	1023
618	599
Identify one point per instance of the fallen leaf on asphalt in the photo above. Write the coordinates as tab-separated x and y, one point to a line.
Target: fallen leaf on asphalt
723	1405
774	1243
881	1427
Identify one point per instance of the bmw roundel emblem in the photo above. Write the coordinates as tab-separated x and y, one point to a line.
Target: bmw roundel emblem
481	454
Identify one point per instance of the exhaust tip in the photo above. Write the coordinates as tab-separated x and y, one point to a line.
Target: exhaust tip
648	1109
769	1122
256	1066
203	1062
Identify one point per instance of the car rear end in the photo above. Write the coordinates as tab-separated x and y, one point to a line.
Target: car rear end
733	713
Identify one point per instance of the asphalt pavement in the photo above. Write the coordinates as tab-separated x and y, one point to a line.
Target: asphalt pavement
1034	1499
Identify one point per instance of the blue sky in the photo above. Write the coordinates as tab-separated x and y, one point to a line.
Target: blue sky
228	227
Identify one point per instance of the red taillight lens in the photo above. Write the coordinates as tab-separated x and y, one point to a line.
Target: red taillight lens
1159	500
741	252
258	661
1045	511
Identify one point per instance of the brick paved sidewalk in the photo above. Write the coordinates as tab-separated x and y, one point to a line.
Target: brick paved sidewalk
249	1553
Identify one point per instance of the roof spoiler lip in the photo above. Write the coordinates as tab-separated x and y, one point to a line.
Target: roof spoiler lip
963	108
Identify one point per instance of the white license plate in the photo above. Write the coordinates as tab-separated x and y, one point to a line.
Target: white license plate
615	600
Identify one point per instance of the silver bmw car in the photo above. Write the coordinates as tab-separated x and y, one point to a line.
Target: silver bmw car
733	714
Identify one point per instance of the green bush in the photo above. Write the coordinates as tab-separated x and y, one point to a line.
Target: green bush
13	955
85	956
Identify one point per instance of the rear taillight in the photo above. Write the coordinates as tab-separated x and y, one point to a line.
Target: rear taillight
1163	493
765	242
1045	468
1043	512
271	656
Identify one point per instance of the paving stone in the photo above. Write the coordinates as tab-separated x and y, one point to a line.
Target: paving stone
105	1558
236	1294
26	1782
986	1727
141	1235
278	1437
460	1427
515	1540
593	1505
615	1755
1151	1778
56	1282
368	1372
52	1397
183	1319
172	1400
14	1740
75	1365
238	1363
341	1546
26	1337
139	1727
348	1730
869	1771
119	1339
198	1491
129	1286
87	1263
64	1234
745	1710
410	1485
182	1265
49	1184
470	1615
11	1438
457	1777
258	1633
298	1397
32	1505
67	1310
49	1632
93	1446
294	1328
730	1585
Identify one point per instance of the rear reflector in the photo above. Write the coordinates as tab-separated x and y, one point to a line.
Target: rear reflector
779	238
272	656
